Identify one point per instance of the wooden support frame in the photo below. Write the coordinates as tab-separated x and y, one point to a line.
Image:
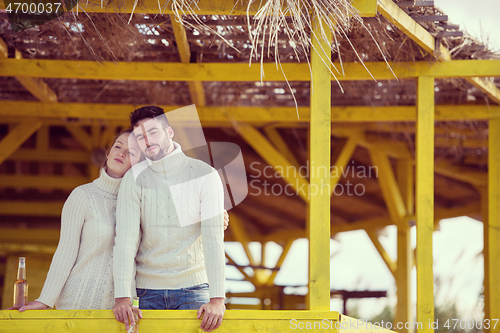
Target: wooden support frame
391	265
277	140
491	222
42	181
343	159
389	186
116	114
195	88
237	72
272	156
16	137
318	223
81	136
425	200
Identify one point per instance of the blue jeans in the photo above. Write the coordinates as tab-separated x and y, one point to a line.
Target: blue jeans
173	299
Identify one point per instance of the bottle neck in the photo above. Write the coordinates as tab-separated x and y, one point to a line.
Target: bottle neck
21	271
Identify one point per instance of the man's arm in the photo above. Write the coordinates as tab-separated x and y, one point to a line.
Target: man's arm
126	245
212	233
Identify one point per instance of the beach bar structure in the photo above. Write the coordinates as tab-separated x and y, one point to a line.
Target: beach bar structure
427	117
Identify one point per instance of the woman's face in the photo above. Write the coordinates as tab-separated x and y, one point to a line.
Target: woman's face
119	157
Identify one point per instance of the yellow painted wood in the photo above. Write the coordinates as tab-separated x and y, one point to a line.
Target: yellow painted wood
80	135
239	71
251	279
404	305
195	88
4	49
342	161
277	140
389	262
29	236
240	234
286	249
16	137
41	181
320	151
31	208
52	155
425	200
492	227
447	169
154	321
367	8
272	156
42	138
487	87
223	116
409	26
389	186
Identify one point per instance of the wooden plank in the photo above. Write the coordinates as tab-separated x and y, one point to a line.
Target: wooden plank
492	226
416	4
29	236
16	137
488	87
389	262
342	161
233	72
430	18
224	116
318	224
41	181
408	25
52	155
425	200
443	34
31	208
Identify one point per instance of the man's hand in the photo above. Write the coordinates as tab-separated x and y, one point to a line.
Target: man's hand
214	311
33	306
123	311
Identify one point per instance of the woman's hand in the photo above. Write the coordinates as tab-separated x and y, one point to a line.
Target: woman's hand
226	219
33	306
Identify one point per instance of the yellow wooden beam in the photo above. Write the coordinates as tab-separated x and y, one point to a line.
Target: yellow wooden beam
16	137
425	200
277	140
272	156
80	135
35	86
251	279
391	265
5	248
389	186
52	155
405	178
240	72
245	321
286	249
224	116
29	236
487	87
240	234
195	88
342	160
41	181
318	231
31	208
445	168
409	26
492	226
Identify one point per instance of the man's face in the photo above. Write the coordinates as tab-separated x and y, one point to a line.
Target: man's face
154	140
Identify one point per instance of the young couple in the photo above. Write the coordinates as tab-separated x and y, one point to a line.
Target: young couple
165	243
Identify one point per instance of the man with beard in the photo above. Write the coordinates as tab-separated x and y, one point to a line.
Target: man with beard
169	219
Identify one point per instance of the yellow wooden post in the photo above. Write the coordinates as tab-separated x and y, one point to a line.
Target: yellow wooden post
425	200
320	138
492	228
404	173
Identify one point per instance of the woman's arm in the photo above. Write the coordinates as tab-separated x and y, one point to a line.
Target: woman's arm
72	219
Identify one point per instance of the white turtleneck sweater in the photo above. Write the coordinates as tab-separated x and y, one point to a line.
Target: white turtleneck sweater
170	219
81	273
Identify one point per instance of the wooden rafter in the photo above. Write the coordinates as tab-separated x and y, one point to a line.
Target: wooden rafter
16	137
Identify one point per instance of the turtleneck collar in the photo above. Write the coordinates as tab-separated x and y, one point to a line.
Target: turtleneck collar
107	183
170	164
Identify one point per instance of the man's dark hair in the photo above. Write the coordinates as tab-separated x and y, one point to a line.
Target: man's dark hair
150	111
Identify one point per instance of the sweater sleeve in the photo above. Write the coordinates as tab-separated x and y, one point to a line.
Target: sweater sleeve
127	235
212	232
72	218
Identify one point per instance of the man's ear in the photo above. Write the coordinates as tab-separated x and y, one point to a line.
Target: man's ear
170	132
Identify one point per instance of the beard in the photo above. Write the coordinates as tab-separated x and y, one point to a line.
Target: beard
159	153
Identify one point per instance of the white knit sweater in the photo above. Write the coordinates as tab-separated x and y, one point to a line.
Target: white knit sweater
152	207
80	275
